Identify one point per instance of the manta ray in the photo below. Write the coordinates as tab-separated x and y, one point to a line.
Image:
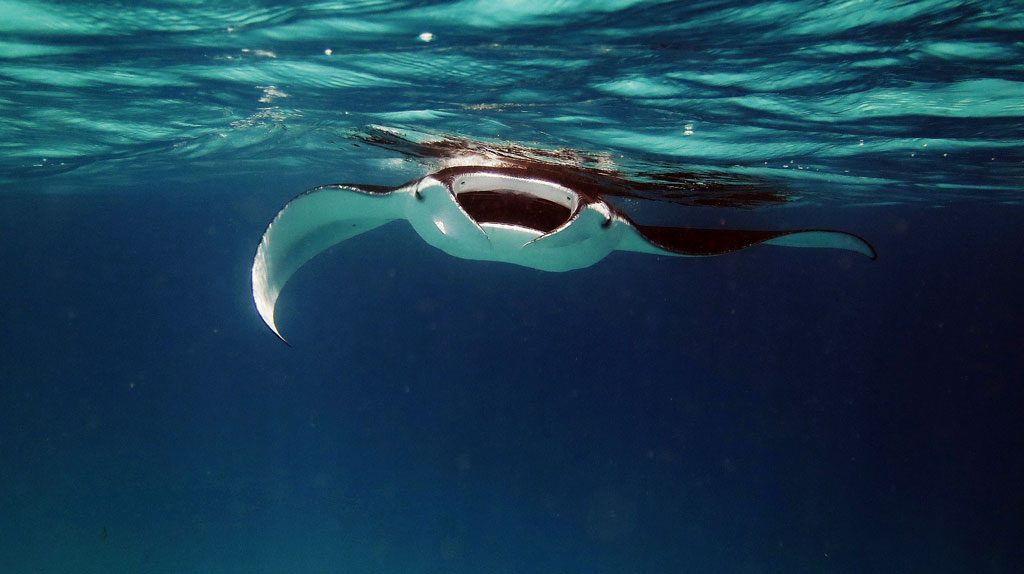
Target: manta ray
534	213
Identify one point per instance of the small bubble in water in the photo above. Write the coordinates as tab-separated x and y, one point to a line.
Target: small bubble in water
426	37
328	52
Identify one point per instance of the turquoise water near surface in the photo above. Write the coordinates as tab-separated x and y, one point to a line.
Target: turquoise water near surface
884	101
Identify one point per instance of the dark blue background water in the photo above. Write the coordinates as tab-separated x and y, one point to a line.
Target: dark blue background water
765	412
768	411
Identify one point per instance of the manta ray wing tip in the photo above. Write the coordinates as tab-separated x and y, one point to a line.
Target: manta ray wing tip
273	328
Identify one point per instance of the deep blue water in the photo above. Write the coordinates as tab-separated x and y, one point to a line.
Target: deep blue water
770	410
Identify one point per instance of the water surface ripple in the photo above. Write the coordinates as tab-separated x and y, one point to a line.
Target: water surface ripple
853	102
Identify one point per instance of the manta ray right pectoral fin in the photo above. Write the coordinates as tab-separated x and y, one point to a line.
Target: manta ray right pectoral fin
703	242
307	226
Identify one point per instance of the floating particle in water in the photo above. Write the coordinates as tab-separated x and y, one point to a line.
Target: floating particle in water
328	52
426	37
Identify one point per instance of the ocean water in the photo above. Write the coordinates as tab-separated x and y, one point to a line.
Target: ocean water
769	410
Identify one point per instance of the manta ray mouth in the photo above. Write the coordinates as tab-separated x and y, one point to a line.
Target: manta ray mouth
501	199
510	208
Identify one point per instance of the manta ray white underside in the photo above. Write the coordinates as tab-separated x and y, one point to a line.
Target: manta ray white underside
492	214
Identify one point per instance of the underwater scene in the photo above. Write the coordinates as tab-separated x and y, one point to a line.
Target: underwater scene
511	286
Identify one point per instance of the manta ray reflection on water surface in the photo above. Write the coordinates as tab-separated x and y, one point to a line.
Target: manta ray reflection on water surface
536	208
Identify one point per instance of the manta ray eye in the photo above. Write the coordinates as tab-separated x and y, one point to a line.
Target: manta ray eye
419	196
606	223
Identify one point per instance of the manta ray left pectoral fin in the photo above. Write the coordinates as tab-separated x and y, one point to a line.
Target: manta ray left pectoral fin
698	242
307	226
